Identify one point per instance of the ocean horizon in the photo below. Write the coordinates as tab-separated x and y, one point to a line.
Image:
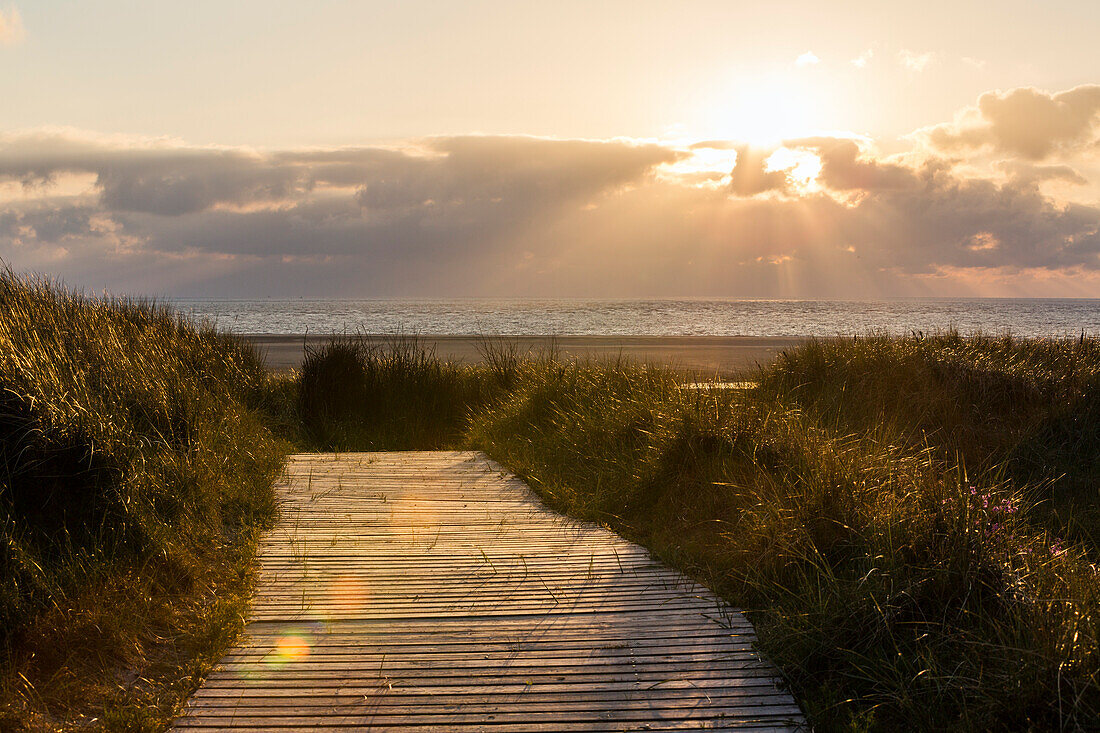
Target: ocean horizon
1029	317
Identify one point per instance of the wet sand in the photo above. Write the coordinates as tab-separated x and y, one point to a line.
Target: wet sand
706	355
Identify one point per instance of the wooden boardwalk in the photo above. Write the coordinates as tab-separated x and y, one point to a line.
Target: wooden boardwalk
433	592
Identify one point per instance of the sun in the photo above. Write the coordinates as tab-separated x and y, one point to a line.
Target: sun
763	110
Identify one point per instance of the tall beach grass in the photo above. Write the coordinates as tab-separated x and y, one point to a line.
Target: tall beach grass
394	394
901	517
1027	410
135	473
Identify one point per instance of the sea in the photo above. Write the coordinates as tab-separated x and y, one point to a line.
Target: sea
1042	317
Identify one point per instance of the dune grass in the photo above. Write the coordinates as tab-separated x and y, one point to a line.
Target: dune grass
901	517
1026	409
135	473
395	394
910	522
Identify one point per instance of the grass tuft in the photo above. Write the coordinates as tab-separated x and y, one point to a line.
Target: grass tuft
392	395
910	522
899	569
135	474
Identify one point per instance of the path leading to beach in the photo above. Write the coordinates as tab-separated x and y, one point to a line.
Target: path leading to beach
432	591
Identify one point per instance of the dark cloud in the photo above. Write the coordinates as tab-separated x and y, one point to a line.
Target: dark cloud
173	186
51	222
171	181
521	216
936	221
1026	123
844	167
438	201
157	179
1030	173
950	221
750	175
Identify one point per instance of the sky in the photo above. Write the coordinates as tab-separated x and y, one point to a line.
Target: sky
595	149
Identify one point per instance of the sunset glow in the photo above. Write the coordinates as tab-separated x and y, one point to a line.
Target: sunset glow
763	111
801	166
339	340
506	150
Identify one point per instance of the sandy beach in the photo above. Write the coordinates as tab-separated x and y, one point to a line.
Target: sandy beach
707	355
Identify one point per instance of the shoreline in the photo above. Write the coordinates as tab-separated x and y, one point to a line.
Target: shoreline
711	354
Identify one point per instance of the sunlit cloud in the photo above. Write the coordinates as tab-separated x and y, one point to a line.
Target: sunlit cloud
1027	123
807	59
915	61
863	59
802	167
499	215
709	164
11	26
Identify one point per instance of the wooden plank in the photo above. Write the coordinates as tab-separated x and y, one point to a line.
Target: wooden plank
641	678
442	652
327	724
395	702
409	718
431	591
520	686
442	695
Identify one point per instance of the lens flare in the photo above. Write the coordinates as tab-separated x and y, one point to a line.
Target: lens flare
293	645
292	648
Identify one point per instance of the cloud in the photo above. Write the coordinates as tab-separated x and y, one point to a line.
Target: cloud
863	59
154	178
490	215
751	176
172	180
936	223
1026	123
844	166
913	219
434	201
48	223
11	27
915	61
714	145
1029	173
807	59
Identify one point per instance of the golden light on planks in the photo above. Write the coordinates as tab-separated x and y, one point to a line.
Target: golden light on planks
433	590
347	591
291	649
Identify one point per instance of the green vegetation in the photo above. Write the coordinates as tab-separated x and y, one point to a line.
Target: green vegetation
910	522
394	395
902	517
1026	409
135	473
